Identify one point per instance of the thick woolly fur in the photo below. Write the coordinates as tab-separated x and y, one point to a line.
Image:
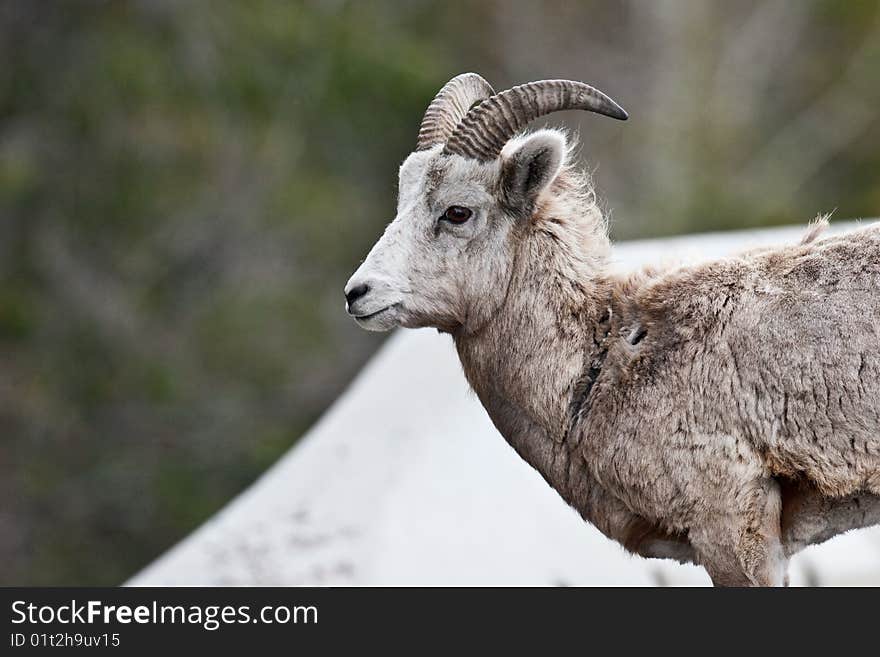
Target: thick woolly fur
726	414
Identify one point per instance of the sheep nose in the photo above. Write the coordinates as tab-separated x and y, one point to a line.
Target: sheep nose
356	293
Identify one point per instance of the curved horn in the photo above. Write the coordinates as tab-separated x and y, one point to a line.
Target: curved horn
483	132
450	106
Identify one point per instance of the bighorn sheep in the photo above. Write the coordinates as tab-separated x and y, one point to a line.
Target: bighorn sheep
726	414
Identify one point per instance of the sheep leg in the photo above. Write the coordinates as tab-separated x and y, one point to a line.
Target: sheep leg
808	517
742	546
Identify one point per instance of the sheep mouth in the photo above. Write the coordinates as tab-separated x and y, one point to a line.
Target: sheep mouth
374	315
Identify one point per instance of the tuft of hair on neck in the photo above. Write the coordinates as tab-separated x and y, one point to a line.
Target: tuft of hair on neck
568	208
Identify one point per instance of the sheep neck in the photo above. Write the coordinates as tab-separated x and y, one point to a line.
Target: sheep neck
529	364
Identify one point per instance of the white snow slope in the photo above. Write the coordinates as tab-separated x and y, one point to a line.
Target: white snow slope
405	481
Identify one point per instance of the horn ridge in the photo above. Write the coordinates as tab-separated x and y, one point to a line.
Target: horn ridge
450	106
486	128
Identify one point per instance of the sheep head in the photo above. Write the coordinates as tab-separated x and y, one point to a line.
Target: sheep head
446	259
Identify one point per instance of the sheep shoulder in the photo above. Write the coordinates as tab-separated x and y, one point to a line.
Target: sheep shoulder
767	362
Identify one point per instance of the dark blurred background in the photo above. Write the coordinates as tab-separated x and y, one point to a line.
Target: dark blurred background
186	186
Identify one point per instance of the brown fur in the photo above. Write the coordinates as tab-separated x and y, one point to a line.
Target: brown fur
745	374
726	414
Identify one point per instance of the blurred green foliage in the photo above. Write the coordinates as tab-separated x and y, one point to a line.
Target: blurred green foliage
185	188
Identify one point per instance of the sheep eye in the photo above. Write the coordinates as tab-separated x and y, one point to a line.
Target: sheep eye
457	214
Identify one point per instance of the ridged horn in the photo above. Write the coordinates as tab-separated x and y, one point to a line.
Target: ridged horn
487	128
450	106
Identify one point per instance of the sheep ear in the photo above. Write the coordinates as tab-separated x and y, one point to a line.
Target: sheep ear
527	171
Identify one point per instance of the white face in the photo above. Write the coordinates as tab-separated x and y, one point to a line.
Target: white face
446	256
446	259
